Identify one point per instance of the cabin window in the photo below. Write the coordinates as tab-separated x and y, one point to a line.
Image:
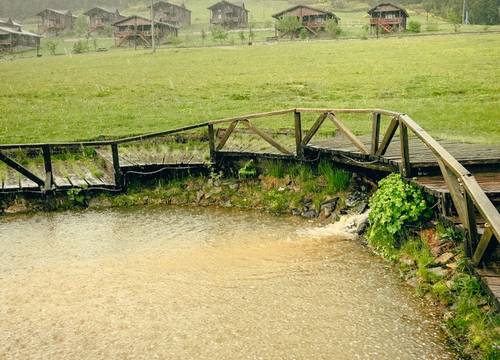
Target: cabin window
390	16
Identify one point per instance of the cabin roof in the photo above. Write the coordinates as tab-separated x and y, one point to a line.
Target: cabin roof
386	7
224	2
158	3
9	21
278	15
60	12
144	20
103	9
6	30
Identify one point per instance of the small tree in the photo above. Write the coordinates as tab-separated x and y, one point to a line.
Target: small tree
52	46
303	34
289	25
333	29
81	25
80	47
414	26
203	36
242	36
219	33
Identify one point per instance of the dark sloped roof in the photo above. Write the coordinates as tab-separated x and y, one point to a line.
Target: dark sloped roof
105	9
60	12
6	30
278	15
240	5
145	19
384	7
9	21
169	3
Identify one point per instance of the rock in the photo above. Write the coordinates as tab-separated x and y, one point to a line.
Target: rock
296	212
439	271
444	258
360	208
309	214
234	186
448	315
408	261
199	196
16	208
413	281
325	213
452	266
329	204
282	188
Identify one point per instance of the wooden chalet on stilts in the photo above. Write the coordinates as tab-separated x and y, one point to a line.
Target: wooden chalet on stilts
387	18
100	17
54	22
171	13
14	38
136	30
313	20
229	15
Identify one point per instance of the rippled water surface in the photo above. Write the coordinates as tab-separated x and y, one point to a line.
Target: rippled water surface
199	284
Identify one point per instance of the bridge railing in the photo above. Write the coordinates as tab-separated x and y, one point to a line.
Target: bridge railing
464	189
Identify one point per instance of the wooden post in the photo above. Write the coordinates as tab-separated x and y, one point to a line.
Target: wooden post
299	152
211	142
47	161
375	132
471	225
483	245
116	165
405	151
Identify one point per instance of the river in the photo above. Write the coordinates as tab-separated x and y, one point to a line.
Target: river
176	283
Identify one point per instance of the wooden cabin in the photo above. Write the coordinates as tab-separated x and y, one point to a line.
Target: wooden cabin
171	13
313	20
136	30
229	15
14	38
55	21
100	17
387	18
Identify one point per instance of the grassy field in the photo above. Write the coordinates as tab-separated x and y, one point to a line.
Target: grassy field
449	84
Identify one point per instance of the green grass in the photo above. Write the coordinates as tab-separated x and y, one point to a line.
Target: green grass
445	83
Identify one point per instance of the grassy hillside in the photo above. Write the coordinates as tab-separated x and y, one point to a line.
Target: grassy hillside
449	84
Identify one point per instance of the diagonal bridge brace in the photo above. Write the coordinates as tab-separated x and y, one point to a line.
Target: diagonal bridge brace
21	169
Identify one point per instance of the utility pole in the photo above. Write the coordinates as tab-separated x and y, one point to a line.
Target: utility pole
153	45
463	13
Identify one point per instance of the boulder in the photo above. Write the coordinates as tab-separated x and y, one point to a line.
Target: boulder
439	271
444	258
309	214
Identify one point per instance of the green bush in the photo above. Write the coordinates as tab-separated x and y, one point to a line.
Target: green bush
395	206
333	29
303	34
219	33
248	171
414	26
52	46
336	179
80	47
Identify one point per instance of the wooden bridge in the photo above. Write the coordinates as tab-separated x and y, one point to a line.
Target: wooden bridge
465	178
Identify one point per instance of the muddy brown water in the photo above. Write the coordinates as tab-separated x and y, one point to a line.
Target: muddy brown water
175	283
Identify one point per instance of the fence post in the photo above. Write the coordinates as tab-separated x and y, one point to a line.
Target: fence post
211	143
405	152
116	165
299	151
375	133
47	161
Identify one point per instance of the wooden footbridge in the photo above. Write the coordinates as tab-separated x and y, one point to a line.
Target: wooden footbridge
465	178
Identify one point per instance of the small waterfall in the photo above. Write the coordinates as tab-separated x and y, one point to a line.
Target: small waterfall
348	227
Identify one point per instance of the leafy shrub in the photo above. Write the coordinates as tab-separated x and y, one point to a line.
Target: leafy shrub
333	29
289	25
276	202
52	46
80	47
303	34
248	171
219	33
414	26
394	206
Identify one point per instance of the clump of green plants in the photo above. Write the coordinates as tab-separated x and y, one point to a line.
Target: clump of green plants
52	46
248	171
394	207
275	201
333	29
77	196
303	34
80	47
290	25
414	26
219	33
336	179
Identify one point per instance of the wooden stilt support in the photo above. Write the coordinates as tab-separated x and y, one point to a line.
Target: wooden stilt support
483	245
299	151
47	161
375	133
116	166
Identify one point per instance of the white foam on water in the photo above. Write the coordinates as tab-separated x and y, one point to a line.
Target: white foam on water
348	227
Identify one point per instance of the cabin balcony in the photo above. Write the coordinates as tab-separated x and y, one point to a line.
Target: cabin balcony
386	21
